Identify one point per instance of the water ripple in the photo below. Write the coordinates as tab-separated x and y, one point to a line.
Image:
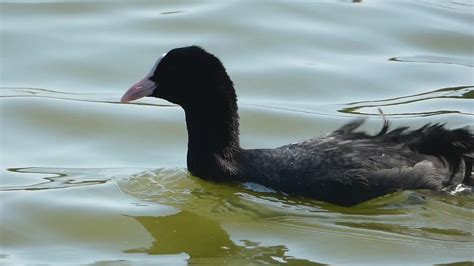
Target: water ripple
434	59
357	108
57	178
449	93
404	217
8	92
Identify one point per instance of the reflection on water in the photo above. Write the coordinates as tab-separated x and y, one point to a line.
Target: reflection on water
203	239
177	233
401	213
207	212
459	93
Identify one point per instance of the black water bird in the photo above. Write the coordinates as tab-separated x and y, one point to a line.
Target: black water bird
345	167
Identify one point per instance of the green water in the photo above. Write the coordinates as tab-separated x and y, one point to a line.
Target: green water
87	180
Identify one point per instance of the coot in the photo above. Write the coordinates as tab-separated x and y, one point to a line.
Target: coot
345	167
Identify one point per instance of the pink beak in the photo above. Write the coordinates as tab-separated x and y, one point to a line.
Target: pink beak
143	88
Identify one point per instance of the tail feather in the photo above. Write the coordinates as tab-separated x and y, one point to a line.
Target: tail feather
451	145
455	147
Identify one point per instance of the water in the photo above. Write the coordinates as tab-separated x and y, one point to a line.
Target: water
86	180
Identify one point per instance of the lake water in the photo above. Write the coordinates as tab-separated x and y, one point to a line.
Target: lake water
87	180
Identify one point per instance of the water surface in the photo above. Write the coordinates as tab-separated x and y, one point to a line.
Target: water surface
87	180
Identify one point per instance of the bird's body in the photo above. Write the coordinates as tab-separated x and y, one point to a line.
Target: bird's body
345	167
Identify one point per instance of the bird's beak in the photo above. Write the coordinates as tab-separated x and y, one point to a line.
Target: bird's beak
143	88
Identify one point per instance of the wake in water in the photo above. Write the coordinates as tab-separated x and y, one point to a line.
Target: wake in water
405	213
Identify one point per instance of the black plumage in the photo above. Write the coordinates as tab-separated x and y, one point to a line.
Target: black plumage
345	167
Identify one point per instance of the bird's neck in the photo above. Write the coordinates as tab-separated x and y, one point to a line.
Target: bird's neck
213	139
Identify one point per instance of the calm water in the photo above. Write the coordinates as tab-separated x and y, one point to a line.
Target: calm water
86	180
